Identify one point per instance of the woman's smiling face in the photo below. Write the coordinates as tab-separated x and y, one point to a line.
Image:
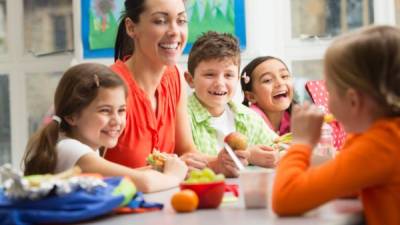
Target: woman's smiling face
161	33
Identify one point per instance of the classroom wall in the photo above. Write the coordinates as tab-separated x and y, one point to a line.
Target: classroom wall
262	35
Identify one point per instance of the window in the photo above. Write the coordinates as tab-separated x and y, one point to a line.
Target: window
5	136
59	25
309	27
328	18
27	81
48	26
397	2
310	69
39	99
303	71
3	44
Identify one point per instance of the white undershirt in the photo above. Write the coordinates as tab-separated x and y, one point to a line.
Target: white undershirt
69	151
223	124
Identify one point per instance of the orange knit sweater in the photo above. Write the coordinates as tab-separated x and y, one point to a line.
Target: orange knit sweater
369	163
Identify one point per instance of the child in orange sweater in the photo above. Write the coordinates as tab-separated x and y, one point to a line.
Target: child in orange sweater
362	73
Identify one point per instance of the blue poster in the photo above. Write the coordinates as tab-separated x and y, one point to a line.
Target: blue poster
100	19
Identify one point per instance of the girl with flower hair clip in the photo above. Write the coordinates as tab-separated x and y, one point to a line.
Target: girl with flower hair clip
268	89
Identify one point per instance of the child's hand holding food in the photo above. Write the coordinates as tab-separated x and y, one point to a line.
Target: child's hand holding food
306	124
238	143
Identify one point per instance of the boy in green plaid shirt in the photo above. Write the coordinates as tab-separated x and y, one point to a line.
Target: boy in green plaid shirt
213	74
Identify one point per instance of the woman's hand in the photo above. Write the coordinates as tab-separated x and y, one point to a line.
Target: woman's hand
175	167
306	124
262	155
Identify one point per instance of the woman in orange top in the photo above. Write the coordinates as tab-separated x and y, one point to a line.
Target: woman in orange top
150	40
362	73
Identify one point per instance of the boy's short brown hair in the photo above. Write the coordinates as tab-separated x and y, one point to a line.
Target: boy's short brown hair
213	45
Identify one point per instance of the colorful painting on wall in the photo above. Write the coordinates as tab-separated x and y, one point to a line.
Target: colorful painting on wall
100	19
99	27
217	15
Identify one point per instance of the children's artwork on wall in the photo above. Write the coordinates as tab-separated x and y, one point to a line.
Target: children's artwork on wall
100	19
217	15
99	27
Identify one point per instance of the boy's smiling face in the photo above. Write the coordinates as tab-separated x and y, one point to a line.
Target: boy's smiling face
214	82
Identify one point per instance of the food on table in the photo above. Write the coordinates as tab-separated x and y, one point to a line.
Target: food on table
285	139
37	179
185	201
328	118
203	176
236	141
281	143
208	186
157	160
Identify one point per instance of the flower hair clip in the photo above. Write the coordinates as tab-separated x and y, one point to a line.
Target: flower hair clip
246	78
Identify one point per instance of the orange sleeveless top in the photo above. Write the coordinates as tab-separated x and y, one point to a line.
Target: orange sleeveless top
146	130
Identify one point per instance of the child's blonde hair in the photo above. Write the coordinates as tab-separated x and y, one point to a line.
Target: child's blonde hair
77	88
368	60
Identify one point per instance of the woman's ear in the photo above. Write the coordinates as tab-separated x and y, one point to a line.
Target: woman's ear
130	27
189	79
250	97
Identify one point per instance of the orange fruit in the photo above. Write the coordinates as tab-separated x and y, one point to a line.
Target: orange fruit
185	201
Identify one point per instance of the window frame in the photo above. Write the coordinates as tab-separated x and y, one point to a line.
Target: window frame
10	64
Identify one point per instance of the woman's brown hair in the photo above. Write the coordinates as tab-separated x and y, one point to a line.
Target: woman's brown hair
368	60
77	88
123	43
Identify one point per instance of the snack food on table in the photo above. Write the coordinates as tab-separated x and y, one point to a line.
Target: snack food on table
285	139
282	142
328	118
236	141
203	176
185	201
157	160
208	186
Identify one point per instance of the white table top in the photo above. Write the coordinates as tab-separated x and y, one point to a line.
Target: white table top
234	213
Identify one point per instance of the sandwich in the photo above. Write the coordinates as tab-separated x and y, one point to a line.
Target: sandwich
157	160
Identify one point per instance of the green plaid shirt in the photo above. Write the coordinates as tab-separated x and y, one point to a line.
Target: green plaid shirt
247	122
